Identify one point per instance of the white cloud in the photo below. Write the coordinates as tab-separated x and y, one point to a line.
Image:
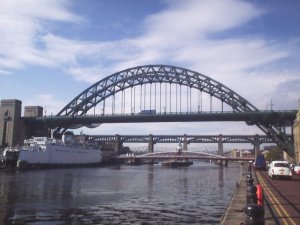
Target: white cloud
41	9
50	105
4	72
22	26
191	19
187	33
178	35
92	74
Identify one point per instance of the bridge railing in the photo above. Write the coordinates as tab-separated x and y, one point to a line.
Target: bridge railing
175	113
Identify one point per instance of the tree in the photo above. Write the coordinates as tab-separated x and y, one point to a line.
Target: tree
274	154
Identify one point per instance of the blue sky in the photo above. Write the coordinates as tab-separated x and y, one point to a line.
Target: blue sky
51	50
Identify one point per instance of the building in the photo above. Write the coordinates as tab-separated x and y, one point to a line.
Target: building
237	153
247	153
13	128
296	133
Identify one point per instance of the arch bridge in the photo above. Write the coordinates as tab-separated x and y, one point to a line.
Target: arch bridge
151	91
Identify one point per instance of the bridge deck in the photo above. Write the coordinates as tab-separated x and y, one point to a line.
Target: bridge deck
183	155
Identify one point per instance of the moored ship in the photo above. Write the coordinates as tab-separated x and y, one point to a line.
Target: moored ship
45	152
177	163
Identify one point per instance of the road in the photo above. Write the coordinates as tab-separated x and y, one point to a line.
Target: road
282	197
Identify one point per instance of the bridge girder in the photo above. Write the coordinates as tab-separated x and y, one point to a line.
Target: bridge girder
140	75
190	138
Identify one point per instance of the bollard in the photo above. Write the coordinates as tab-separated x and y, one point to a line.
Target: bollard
249	175
250	181
252	189
251	194
255	215
249	168
259	194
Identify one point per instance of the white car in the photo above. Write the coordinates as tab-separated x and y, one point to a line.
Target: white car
297	169
280	169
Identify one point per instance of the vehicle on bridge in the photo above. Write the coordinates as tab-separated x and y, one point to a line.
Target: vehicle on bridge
280	169
147	112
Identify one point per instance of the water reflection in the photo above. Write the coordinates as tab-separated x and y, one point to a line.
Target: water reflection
150	181
124	195
221	175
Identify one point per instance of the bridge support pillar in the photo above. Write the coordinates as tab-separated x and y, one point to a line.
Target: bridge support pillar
118	143
150	144
10	122
256	145
220	145
185	144
220	151
225	162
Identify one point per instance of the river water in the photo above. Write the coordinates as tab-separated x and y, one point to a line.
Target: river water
142	195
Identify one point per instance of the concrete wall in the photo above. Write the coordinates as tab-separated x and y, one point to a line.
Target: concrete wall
296	132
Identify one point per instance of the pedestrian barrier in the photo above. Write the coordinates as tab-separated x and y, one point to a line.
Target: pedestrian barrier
259	194
255	214
254	209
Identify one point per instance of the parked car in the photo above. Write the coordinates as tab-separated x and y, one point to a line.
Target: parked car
280	169
296	169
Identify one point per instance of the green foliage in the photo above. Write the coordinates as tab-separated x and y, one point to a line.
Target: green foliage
274	154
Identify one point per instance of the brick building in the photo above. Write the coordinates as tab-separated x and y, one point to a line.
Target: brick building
296	132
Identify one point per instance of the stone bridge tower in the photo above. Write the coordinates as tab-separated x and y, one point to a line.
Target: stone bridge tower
13	127
10	122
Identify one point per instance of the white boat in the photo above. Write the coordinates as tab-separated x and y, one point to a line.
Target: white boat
41	152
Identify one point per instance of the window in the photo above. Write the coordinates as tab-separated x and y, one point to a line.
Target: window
281	165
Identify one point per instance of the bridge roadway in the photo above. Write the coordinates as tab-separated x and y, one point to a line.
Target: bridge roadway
280	117
282	197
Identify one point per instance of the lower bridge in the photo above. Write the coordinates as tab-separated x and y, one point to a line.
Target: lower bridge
182	155
220	140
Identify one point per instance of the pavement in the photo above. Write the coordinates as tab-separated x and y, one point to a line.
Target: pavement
235	214
235	210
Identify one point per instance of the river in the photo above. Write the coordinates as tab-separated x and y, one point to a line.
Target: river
141	195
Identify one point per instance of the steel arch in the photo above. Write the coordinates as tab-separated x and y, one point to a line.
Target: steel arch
153	74
140	75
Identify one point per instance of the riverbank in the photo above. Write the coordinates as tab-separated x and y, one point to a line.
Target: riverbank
235	210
